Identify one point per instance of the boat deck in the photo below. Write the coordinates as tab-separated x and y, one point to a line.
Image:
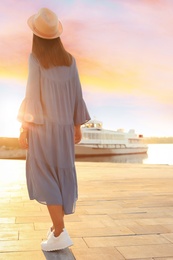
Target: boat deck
124	211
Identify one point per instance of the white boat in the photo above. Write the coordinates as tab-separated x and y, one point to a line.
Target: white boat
99	141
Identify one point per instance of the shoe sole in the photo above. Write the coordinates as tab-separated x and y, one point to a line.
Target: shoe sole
57	248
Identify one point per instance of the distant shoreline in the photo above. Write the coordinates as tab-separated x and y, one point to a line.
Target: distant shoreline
10	149
158	140
10	143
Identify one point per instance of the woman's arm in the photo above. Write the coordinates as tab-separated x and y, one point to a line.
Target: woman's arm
23	142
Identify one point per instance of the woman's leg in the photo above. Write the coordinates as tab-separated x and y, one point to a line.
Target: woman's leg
57	215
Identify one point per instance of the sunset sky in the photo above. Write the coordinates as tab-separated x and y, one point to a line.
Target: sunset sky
124	53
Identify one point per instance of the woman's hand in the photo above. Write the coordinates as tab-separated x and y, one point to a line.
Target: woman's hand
23	140
77	134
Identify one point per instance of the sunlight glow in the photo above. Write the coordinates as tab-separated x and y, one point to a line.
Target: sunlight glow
124	60
9	126
12	173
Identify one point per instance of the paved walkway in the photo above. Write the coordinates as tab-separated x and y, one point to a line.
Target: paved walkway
125	211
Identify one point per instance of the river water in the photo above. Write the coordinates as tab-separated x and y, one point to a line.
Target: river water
157	154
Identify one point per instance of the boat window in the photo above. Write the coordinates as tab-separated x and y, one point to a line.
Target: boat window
93	136
85	136
118	137
97	136
103	136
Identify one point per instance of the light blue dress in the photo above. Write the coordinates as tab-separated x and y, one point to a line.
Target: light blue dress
53	105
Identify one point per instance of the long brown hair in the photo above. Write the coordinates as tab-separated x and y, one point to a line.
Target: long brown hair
50	52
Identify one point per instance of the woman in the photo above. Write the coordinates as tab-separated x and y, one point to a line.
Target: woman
51	114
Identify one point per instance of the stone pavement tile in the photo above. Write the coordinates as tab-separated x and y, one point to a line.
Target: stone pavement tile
106	220
28	202
9	235
144	251
31	219
31	202
36	234
41	235
7	220
84	201
20	212
15	199
80	210
169	227
74	231
100	210
98	194
132	203
157	210
128	211
22	191
42	226
4	201
140	214
33	255
4	193
154	221
72	218
8	212
31	207
20	207
147	229
125	222
97	254
143	259
131	215
19	245
13	227
164	258
80	225
168	236
123	196
125	240
156	204
92	201
78	242
87	224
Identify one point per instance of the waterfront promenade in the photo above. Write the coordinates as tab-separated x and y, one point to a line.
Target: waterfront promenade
124	211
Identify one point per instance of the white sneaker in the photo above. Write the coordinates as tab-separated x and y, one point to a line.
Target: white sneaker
57	243
49	232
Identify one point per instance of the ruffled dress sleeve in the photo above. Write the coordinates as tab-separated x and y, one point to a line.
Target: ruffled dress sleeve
81	114
30	110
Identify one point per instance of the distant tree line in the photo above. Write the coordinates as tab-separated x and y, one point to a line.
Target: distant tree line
12	143
9	143
158	140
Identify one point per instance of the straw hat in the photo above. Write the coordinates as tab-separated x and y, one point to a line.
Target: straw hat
45	24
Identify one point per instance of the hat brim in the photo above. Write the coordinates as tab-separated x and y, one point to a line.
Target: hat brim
30	23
